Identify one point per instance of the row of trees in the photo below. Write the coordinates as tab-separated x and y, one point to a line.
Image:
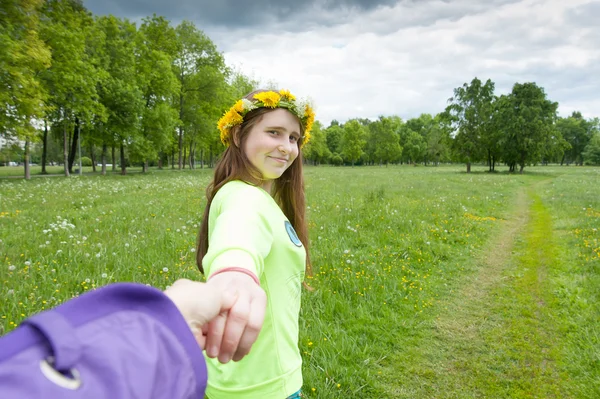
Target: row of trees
154	93
517	129
151	92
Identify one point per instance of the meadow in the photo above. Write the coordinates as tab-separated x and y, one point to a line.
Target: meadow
428	282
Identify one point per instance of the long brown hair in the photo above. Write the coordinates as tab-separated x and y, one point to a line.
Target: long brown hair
288	190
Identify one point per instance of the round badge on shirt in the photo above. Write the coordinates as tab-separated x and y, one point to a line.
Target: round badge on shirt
292	234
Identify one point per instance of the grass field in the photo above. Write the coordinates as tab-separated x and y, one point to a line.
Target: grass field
429	283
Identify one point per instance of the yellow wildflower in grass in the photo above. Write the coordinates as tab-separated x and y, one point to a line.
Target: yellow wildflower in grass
270	99
286	95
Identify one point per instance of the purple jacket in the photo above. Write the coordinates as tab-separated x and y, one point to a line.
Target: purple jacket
120	341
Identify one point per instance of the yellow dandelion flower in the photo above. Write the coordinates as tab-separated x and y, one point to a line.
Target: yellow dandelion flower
239	106
233	118
306	138
287	95
270	99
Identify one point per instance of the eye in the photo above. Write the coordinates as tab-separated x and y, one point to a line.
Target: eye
294	139
273	132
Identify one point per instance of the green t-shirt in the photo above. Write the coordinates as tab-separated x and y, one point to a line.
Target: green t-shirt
246	228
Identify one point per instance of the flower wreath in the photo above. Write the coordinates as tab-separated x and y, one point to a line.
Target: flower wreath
267	99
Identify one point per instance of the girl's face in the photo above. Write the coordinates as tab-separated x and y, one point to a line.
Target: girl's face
272	144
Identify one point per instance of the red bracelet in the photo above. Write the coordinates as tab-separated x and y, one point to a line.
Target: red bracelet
237	269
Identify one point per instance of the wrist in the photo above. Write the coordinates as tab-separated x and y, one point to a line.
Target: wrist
237	270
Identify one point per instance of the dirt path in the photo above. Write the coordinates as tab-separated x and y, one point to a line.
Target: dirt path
495	337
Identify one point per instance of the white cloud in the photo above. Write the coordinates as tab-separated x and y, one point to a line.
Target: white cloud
407	59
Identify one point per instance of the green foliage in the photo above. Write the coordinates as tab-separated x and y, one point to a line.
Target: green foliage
336	159
85	161
316	149
23	56
72	78
415	147
333	136
159	90
470	111
383	145
156	47
201	70
591	155
577	132
527	123
353	141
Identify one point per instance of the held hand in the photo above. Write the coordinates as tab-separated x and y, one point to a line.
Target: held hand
232	333
199	303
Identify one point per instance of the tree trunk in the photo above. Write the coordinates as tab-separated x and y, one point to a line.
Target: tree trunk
490	161
114	163
65	148
160	160
104	151
521	166
493	163
191	157
468	167
44	147
180	148
74	144
182	163
93	158
26	161
173	159
145	166
202	158
123	166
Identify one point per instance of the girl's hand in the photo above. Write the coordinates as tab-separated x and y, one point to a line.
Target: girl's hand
231	334
199	303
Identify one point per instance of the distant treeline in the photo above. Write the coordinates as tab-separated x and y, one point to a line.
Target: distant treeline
152	94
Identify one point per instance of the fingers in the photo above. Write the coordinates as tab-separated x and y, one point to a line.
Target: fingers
232	333
216	329
197	302
252	329
237	319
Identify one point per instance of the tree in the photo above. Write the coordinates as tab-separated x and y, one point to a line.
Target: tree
334	135
415	147
23	57
385	140
577	132
554	147
119	90
471	110
316	149
591	154
528	121
72	78
439	140
155	49
201	71
353	141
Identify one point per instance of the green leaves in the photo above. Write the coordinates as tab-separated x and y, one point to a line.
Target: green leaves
24	55
471	110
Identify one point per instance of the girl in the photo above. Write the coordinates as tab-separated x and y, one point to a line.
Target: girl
253	238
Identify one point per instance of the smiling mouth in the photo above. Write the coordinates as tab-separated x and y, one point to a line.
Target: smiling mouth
282	160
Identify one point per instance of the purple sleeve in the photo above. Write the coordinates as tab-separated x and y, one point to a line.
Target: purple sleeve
120	341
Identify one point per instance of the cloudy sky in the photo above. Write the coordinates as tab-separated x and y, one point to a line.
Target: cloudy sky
365	58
